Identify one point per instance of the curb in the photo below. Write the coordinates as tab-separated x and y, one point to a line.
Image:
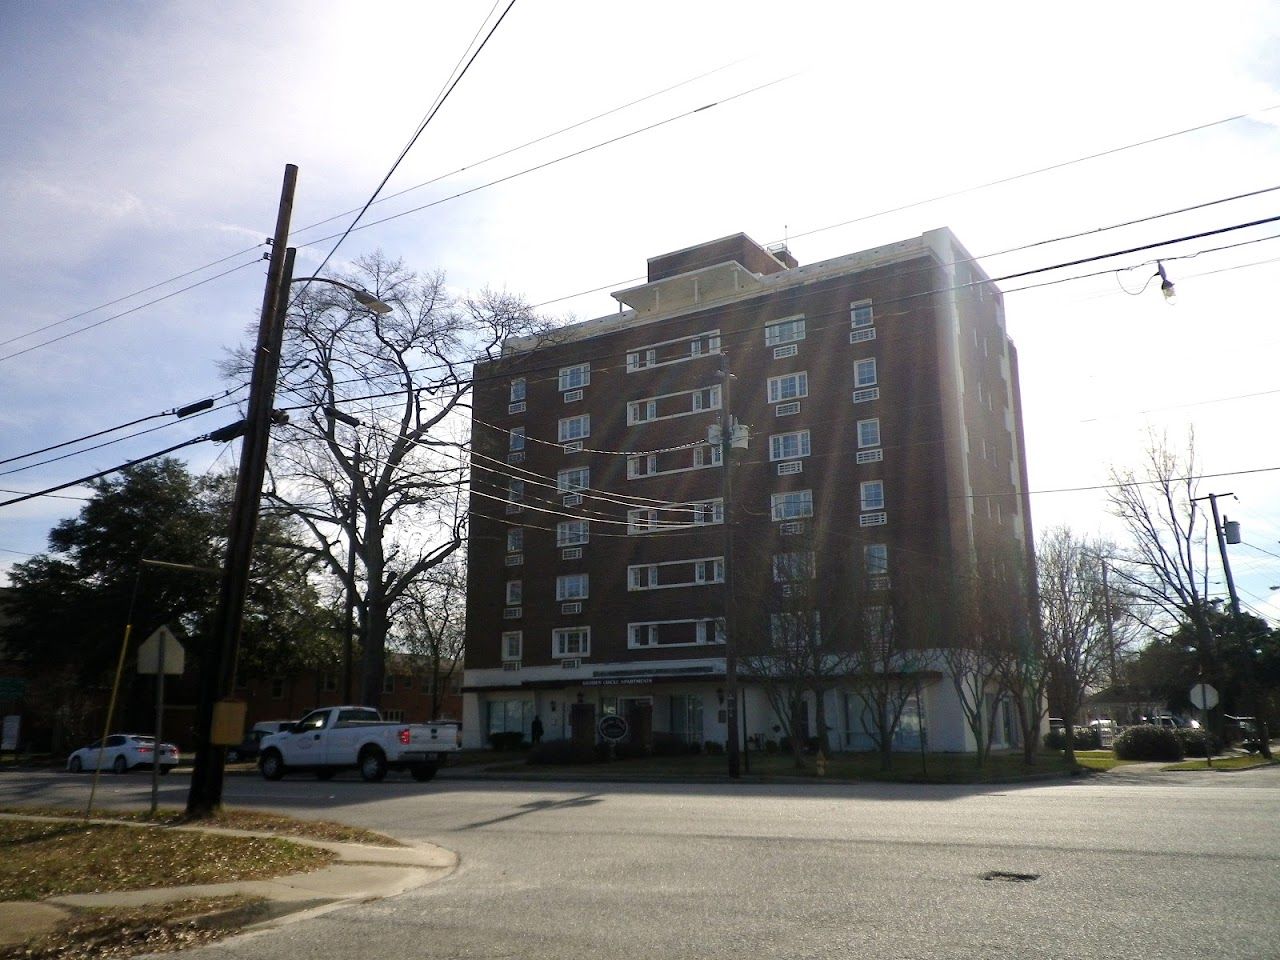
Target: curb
362	872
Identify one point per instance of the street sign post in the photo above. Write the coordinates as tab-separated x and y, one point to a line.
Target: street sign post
160	654
1205	697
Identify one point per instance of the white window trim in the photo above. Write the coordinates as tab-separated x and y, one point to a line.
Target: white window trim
716	631
579	538
507	637
566	580
716	401
633	367
562	484
561	632
776	500
853	307
858	428
858	382
797	318
653	578
562	435
515	593
564	380
804	444
652	459
672	517
866	485
802	378
523	391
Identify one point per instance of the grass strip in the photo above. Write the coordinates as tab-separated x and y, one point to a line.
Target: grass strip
39	859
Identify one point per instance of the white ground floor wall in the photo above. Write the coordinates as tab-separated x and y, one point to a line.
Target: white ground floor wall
693	709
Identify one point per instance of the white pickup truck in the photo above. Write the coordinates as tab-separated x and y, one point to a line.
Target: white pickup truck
333	738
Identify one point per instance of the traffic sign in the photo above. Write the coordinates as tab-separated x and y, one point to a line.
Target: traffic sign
149	659
1204	696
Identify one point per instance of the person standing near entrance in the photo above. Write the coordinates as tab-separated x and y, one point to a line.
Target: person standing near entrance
535	730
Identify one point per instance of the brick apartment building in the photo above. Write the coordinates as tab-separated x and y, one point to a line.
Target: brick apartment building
880	395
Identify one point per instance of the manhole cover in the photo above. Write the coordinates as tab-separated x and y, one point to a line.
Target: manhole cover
1010	877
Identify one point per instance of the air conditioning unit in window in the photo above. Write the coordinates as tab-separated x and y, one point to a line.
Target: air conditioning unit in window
791	527
572	395
573	664
514	507
510	664
866	394
517	457
790	350
515	407
873	519
571	608
573	500
512	613
574	446
571	553
870	456
790	467
514	559
863	335
787	409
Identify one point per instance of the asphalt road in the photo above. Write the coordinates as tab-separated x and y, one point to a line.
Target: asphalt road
1184	866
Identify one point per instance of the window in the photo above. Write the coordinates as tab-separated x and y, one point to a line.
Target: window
515	490
784	331
872	494
875	558
515	590
571	642
572	532
712	511
796	631
640	359
642	466
708	456
788	567
575	478
328	683
515	439
515	540
575	428
709	571
640	411
675	633
642	578
517	390
388	683
864	372
708	399
790	386
860	314
571	586
869	432
642	634
512	644
277	688
789	446
788	506
575	377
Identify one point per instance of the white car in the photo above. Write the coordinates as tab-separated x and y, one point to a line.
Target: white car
123	752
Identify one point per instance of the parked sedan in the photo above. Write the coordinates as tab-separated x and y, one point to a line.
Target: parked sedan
123	752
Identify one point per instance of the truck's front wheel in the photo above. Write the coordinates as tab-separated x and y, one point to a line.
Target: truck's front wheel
272	765
373	765
422	772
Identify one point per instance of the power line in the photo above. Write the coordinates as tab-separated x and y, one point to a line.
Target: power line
123	313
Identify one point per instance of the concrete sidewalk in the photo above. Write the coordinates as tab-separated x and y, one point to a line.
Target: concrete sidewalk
362	872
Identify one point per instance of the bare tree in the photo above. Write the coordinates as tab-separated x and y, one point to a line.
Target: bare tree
431	625
400	382
1076	620
885	665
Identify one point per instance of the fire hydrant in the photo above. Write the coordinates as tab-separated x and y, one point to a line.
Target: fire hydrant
821	763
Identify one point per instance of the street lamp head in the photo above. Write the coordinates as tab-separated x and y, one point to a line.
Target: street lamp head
1166	285
366	299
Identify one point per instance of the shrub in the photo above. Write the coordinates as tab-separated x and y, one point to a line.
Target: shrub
669	745
771	746
630	750
561	751
1148	742
1193	742
713	748
507	740
1084	738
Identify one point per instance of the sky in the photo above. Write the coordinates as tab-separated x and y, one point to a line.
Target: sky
147	141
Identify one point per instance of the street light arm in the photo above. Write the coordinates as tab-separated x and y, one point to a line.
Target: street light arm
363	297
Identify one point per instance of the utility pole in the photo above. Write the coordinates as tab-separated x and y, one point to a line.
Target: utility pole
353	505
218	674
1111	638
730	644
1222	550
